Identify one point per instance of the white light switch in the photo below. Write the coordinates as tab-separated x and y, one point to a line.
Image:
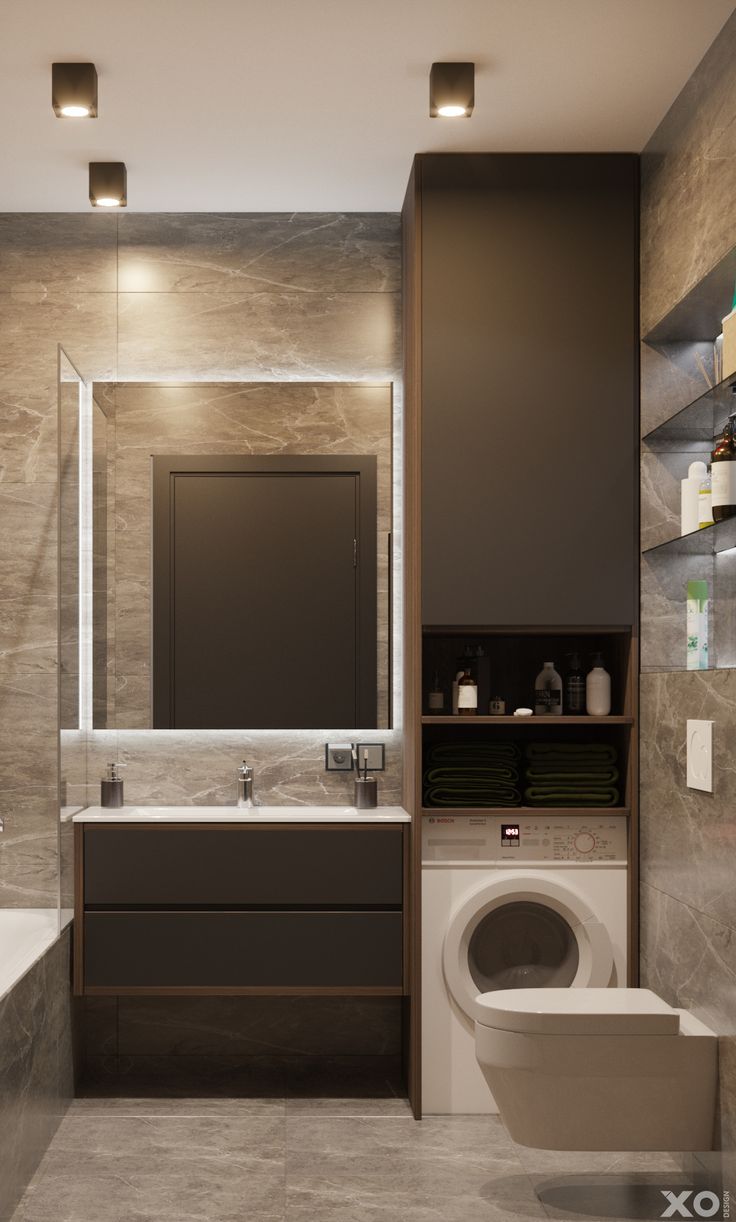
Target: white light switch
700	755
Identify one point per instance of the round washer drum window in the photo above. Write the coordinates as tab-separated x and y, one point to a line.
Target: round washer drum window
522	945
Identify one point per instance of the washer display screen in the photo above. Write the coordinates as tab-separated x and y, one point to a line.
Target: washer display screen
510	834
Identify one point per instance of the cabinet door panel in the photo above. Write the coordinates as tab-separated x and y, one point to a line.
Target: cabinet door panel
242	865
241	949
529	388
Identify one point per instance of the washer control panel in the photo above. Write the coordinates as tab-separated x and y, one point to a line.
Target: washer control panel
540	837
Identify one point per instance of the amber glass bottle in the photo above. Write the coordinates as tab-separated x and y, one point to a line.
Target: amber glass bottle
723	472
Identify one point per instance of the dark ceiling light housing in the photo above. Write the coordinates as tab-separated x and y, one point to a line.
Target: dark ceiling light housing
451	91
108	184
74	91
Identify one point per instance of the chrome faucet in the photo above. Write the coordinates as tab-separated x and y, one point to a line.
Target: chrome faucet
245	786
2	824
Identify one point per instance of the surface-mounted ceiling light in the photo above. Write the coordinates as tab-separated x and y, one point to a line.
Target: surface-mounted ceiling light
108	184
74	91
451	90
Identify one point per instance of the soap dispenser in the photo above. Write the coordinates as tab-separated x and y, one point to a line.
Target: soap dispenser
111	788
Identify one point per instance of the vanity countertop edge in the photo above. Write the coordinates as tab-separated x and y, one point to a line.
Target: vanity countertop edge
229	814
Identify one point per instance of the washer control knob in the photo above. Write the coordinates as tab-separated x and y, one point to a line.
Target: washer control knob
584	842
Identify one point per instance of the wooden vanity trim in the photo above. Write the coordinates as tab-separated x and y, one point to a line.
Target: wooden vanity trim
243	991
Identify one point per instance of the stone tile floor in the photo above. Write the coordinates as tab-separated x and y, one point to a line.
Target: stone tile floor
295	1156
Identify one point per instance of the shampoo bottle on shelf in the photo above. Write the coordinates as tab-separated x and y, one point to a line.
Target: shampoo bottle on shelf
575	686
705	502
598	689
690	497
548	692
723	472
436	698
697	625
467	695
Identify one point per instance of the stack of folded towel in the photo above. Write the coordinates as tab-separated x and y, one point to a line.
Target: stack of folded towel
472	774
571	774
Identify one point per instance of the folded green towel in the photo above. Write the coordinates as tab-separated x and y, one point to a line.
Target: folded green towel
472	795
552	795
465	753
585	753
478	774
591	776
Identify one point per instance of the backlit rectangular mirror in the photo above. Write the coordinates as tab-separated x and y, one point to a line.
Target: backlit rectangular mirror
241	555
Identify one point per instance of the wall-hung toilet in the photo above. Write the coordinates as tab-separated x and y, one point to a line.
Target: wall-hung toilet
598	1069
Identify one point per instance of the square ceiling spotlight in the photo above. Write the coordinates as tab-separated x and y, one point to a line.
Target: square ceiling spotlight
108	184
451	90
74	91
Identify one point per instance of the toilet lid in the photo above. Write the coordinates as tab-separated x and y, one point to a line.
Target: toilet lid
578	1012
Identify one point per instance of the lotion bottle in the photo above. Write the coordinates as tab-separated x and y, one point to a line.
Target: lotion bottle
467	695
548	692
111	788
690	497
598	689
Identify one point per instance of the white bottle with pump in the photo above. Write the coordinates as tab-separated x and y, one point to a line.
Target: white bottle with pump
598	689
689	497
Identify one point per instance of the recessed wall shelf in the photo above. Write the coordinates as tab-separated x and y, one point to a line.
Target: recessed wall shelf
525	723
697	316
708	541
696	424
559	812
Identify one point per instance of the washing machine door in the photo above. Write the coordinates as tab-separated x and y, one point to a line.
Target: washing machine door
524	931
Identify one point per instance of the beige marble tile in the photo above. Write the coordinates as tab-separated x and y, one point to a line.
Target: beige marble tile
256	252
46	252
274	336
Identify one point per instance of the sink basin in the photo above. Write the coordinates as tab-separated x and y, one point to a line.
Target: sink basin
231	814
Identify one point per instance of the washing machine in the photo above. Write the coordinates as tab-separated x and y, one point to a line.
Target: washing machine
511	902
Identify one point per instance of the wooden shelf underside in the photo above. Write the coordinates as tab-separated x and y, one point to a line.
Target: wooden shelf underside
525	722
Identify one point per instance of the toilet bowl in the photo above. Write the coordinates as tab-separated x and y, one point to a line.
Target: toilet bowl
597	1069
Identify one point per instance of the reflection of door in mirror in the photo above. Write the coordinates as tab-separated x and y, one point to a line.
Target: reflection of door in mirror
269	420
264	591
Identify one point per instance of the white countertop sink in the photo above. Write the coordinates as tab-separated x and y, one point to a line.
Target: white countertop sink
231	814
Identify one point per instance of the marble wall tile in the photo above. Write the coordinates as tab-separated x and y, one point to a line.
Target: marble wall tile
687	837
253	252
265	336
199	767
35	1069
688	914
29	847
688	181
42	252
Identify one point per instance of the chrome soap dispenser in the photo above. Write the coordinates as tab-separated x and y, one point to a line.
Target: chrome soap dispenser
245	787
111	788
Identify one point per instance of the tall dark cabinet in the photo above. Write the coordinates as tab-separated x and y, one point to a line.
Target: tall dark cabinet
521	425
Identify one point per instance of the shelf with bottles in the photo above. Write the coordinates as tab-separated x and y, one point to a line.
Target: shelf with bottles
586	766
504	663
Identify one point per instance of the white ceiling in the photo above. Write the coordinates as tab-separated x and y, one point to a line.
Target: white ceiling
311	105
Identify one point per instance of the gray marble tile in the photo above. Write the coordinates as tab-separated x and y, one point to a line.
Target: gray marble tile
270	336
29	850
688	959
35	1068
47	252
28	715
448	1167
198	768
161	1185
256	252
686	835
687	184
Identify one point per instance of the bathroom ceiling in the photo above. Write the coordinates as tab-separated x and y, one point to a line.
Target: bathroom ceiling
312	105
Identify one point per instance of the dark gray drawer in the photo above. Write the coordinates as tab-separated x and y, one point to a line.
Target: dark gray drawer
231	949
242	865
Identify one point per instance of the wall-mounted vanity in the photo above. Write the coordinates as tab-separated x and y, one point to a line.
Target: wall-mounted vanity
299	900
